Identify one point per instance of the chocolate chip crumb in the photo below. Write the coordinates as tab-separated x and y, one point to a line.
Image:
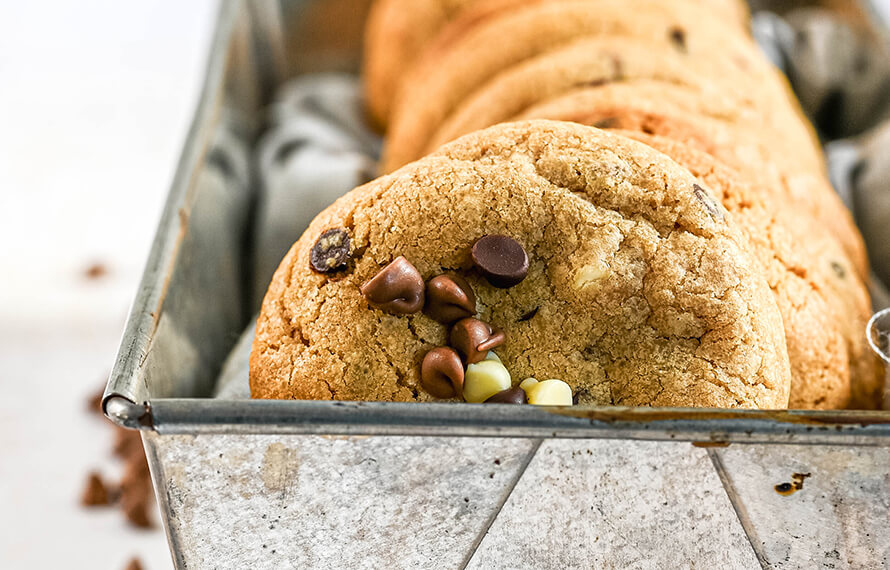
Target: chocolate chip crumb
95	271
838	269
96	493
606	123
705	199
331	251
678	37
134	564
529	315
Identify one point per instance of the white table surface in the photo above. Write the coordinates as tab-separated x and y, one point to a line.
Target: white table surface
95	101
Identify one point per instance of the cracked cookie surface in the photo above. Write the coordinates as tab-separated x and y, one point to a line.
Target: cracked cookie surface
679	113
639	290
824	304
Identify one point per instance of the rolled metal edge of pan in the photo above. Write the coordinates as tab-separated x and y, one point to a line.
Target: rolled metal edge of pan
125	401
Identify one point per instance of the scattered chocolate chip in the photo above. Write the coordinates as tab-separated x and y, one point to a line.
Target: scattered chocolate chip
838	269
442	373
331	251
474	338
606	123
95	271
501	259
449	298
678	36
134	564
515	395
528	316
397	288
702	196
96	493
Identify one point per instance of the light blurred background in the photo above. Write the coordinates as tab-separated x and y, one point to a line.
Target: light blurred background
95	101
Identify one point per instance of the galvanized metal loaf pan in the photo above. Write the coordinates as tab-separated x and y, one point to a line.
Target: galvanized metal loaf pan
224	469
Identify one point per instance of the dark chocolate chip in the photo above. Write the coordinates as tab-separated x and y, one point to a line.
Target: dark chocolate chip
331	251
606	123
528	316
442	373
515	395
397	288
838	269
474	338
678	36
702	196
449	298
501	259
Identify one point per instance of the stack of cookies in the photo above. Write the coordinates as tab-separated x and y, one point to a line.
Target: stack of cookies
665	231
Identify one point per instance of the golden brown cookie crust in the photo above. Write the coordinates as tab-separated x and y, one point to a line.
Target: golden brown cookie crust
677	113
644	295
824	305
438	84
399	31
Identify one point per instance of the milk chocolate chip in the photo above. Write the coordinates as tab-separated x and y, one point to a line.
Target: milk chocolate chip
515	395
501	259
449	298
331	251
397	288
474	338
442	373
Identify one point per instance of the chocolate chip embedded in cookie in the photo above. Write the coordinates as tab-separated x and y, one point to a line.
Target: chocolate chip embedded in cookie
501	260
681	317
474	338
397	288
449	298
331	251
442	373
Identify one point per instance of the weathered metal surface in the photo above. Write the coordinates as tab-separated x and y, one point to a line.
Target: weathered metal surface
331	502
839	517
617	504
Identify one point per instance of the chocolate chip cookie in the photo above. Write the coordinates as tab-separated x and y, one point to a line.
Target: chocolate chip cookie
638	289
824	305
777	165
398	31
441	81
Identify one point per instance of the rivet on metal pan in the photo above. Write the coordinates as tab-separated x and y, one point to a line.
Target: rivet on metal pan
127	413
878	333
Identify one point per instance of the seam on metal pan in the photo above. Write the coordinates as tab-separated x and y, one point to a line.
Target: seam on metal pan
156	468
481	536
739	507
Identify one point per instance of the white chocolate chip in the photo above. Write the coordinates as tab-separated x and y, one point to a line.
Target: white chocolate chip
548	393
492	356
485	379
590	274
527	383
